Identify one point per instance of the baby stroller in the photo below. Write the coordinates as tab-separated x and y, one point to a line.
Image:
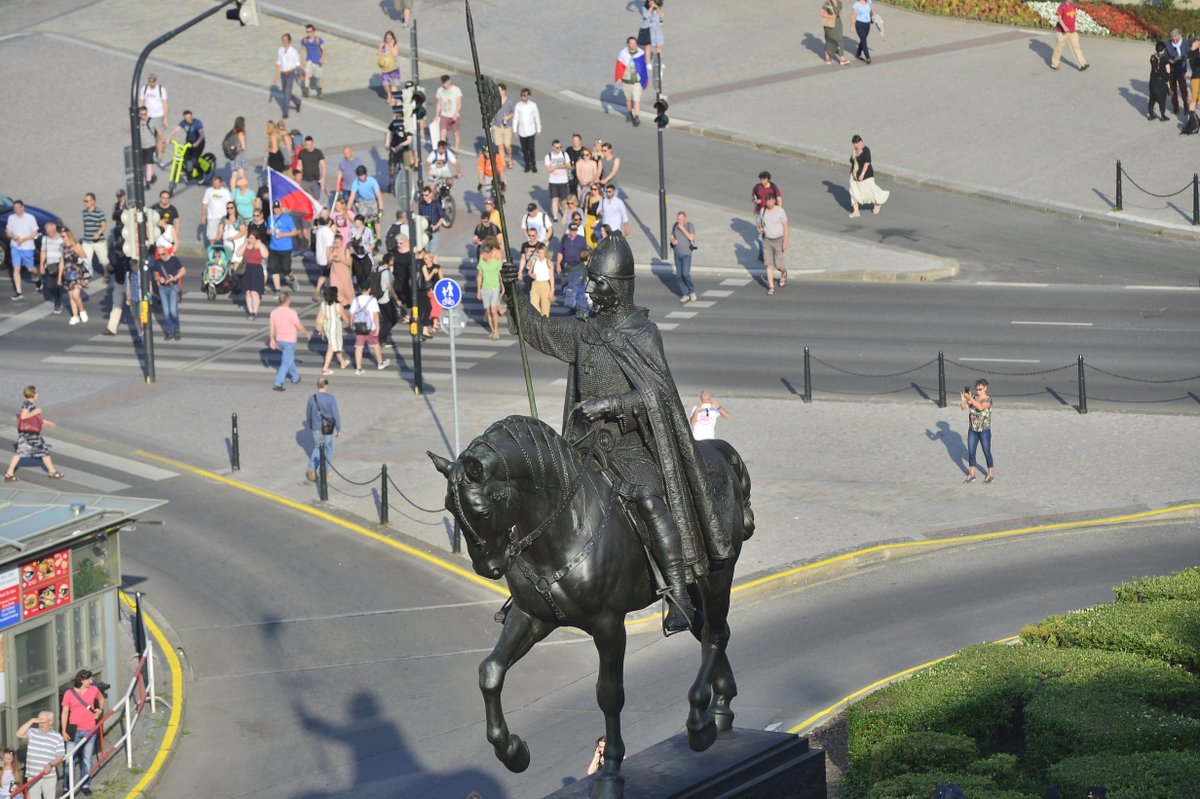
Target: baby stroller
218	275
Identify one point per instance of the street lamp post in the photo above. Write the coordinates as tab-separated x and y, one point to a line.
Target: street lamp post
246	13
660	120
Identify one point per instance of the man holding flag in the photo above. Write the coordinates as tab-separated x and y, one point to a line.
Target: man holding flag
633	77
288	201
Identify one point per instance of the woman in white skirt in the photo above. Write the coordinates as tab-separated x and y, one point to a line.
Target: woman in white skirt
863	190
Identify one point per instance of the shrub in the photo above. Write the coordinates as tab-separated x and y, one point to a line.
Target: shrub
1161	775
1182	585
1065	720
921	751
1167	630
921	786
1161	21
1008	12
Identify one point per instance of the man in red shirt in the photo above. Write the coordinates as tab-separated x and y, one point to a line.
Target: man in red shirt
762	190
285	330
1067	35
83	706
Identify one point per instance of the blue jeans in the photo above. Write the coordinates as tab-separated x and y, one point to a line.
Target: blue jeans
287	363
320	438
862	29
87	753
975	438
169	296
683	265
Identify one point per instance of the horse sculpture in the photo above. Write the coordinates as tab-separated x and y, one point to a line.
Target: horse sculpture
545	517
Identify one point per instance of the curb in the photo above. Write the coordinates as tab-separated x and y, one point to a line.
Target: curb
1114	219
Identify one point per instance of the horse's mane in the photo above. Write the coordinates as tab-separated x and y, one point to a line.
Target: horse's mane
529	447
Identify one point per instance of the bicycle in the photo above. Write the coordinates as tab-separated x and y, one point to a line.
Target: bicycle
441	190
372	214
200	169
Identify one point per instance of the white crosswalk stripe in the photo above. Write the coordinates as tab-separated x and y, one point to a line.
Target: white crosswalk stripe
93	468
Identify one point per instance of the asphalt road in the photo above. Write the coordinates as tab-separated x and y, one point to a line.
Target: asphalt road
322	664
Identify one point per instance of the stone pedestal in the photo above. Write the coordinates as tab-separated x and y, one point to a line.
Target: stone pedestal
742	764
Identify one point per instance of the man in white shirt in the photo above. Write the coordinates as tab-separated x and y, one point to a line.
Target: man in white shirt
22	229
527	124
449	109
558	165
536	219
704	416
212	208
154	98
613	211
442	163
287	66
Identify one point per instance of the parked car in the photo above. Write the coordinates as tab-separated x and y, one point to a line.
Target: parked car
40	214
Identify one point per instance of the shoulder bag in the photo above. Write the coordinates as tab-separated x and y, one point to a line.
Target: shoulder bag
32	424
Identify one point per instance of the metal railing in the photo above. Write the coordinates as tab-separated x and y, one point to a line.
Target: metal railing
1194	185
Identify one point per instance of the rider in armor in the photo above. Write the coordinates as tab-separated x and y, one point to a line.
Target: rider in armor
627	401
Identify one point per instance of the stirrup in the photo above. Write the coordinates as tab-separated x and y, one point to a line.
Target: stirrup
502	613
669	603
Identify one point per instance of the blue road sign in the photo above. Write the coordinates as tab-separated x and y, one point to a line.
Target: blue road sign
447	293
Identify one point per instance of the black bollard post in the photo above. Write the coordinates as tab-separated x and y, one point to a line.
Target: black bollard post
383	497
807	378
941	380
1082	388
139	629
237	449
1119	203
1195	198
322	477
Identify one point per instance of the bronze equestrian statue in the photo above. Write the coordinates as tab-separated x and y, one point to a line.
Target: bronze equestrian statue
569	521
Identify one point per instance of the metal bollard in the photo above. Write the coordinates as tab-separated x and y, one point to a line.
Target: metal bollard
807	377
1120	205
1082	388
237	449
322	478
941	380
383	497
1195	198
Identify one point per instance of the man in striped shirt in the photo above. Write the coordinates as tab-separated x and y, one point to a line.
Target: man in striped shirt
94	241
45	752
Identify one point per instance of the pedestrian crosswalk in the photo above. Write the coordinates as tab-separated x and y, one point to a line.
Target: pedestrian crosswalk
218	337
91	468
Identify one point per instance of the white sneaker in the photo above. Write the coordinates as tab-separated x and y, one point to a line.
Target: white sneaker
686	298
693	296
83	316
383	364
74	320
359	372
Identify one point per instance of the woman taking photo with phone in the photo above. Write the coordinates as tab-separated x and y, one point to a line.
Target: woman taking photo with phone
979	419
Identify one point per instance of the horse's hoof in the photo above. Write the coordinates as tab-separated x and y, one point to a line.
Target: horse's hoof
705	737
608	787
516	759
724	721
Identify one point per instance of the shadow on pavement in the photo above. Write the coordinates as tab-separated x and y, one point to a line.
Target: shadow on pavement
839	193
956	450
1137	95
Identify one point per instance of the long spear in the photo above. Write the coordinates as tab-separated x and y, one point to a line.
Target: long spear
489	104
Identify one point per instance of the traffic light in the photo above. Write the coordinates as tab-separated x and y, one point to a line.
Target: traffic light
660	105
245	14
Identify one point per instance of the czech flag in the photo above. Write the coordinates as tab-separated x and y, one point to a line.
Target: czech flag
291	197
627	61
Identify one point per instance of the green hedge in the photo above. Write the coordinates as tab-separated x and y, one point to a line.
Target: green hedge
1167	629
921	786
981	692
1182	585
1062	721
1145	775
921	751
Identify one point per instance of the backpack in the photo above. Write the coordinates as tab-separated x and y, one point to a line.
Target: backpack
230	144
376	282
362	316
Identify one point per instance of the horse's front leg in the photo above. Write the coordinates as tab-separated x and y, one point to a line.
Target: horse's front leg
701	723
609	637
521	631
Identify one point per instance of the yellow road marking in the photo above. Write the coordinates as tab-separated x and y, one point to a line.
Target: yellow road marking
172	731
328	517
820	714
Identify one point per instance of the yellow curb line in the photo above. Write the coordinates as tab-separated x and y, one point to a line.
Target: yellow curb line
347	525
164	749
814	718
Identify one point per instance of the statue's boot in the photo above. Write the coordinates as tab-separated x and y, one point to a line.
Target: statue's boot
668	551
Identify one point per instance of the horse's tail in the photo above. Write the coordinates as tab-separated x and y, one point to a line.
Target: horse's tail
738	465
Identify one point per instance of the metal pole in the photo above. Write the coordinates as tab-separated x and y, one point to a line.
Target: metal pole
1119	203
1195	198
383	495
1082	388
941	380
807	377
413	64
150	679
139	173
414	308
454	403
237	449
487	91
662	169
128	736
322	477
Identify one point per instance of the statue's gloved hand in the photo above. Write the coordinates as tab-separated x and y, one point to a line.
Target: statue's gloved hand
508	274
599	408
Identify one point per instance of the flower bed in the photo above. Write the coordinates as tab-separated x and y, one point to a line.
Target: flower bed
1095	19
